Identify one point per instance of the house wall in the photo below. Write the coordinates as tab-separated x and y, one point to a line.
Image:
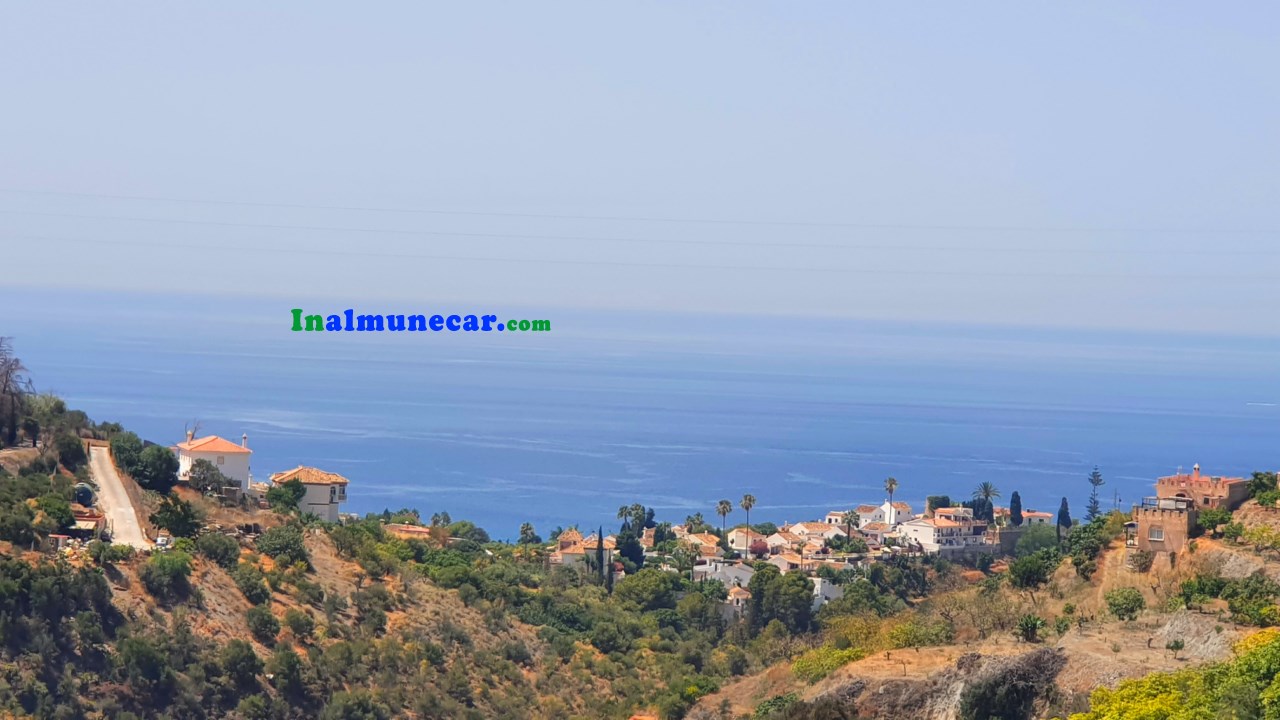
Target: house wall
320	501
234	465
1176	525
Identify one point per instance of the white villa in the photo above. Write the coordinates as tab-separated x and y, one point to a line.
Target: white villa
951	528
891	514
740	538
326	491
231	459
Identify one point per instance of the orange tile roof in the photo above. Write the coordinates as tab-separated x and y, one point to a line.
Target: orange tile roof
788	536
570	535
703	538
790	557
1036	513
902	506
739	591
875	527
309	476
867	509
212	444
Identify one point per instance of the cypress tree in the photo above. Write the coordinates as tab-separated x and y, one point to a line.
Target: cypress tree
1064	518
600	552
1015	509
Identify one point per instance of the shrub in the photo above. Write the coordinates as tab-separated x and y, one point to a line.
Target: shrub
107	554
250	581
177	516
240	662
70	451
1029	627
774	706
284	544
1142	560
157	469
263	624
165	575
126	449
1125	603
299	623
221	549
818	663
285	497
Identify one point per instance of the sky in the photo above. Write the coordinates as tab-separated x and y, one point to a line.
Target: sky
1089	165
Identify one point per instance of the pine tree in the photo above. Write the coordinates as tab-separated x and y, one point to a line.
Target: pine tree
1015	509
1094	508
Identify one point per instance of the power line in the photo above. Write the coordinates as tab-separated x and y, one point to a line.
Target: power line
652	219
615	263
661	241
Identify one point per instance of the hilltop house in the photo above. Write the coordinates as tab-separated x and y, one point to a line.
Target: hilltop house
326	491
1207	492
1035	517
784	540
231	459
572	549
704	544
891	514
950	530
814	531
1164	523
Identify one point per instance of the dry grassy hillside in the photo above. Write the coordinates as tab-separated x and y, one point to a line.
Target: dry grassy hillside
1096	651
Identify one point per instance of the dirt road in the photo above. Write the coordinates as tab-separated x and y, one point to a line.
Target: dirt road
114	501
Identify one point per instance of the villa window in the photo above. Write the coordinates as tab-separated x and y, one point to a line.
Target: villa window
221	459
1156	533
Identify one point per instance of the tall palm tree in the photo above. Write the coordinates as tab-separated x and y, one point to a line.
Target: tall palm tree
850	520
985	491
890	486
694	522
748	502
723	508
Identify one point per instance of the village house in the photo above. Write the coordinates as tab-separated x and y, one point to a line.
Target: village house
814	531
705	544
1035	517
735	605
784	540
1207	492
325	491
1165	523
824	591
950	530
740	538
731	574
875	532
231	459
572	550
788	561
891	514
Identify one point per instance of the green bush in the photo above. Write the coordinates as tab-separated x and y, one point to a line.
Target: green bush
775	706
1125	603
284	545
300	623
263	624
70	451
818	663
165	575
221	549
251	582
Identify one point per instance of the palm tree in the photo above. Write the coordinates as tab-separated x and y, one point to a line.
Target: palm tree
748	502
723	508
850	519
694	522
985	491
890	486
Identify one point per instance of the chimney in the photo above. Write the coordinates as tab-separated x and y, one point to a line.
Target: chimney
191	434
244	440
1195	472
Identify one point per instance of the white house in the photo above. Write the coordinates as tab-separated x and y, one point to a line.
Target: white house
815	531
888	513
231	459
740	538
948	528
824	591
1031	517
325	490
729	573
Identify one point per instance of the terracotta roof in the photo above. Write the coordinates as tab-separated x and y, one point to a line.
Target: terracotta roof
570	535
1036	513
751	534
867	509
906	507
703	538
790	557
739	591
875	527
788	536
309	476
942	522
212	444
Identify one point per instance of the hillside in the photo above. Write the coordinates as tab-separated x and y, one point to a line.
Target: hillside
1060	672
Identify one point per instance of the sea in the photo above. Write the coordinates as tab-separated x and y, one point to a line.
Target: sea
675	411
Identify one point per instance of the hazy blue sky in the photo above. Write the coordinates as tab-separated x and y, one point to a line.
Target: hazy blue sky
1087	163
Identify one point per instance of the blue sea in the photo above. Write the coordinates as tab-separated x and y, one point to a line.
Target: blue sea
673	411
